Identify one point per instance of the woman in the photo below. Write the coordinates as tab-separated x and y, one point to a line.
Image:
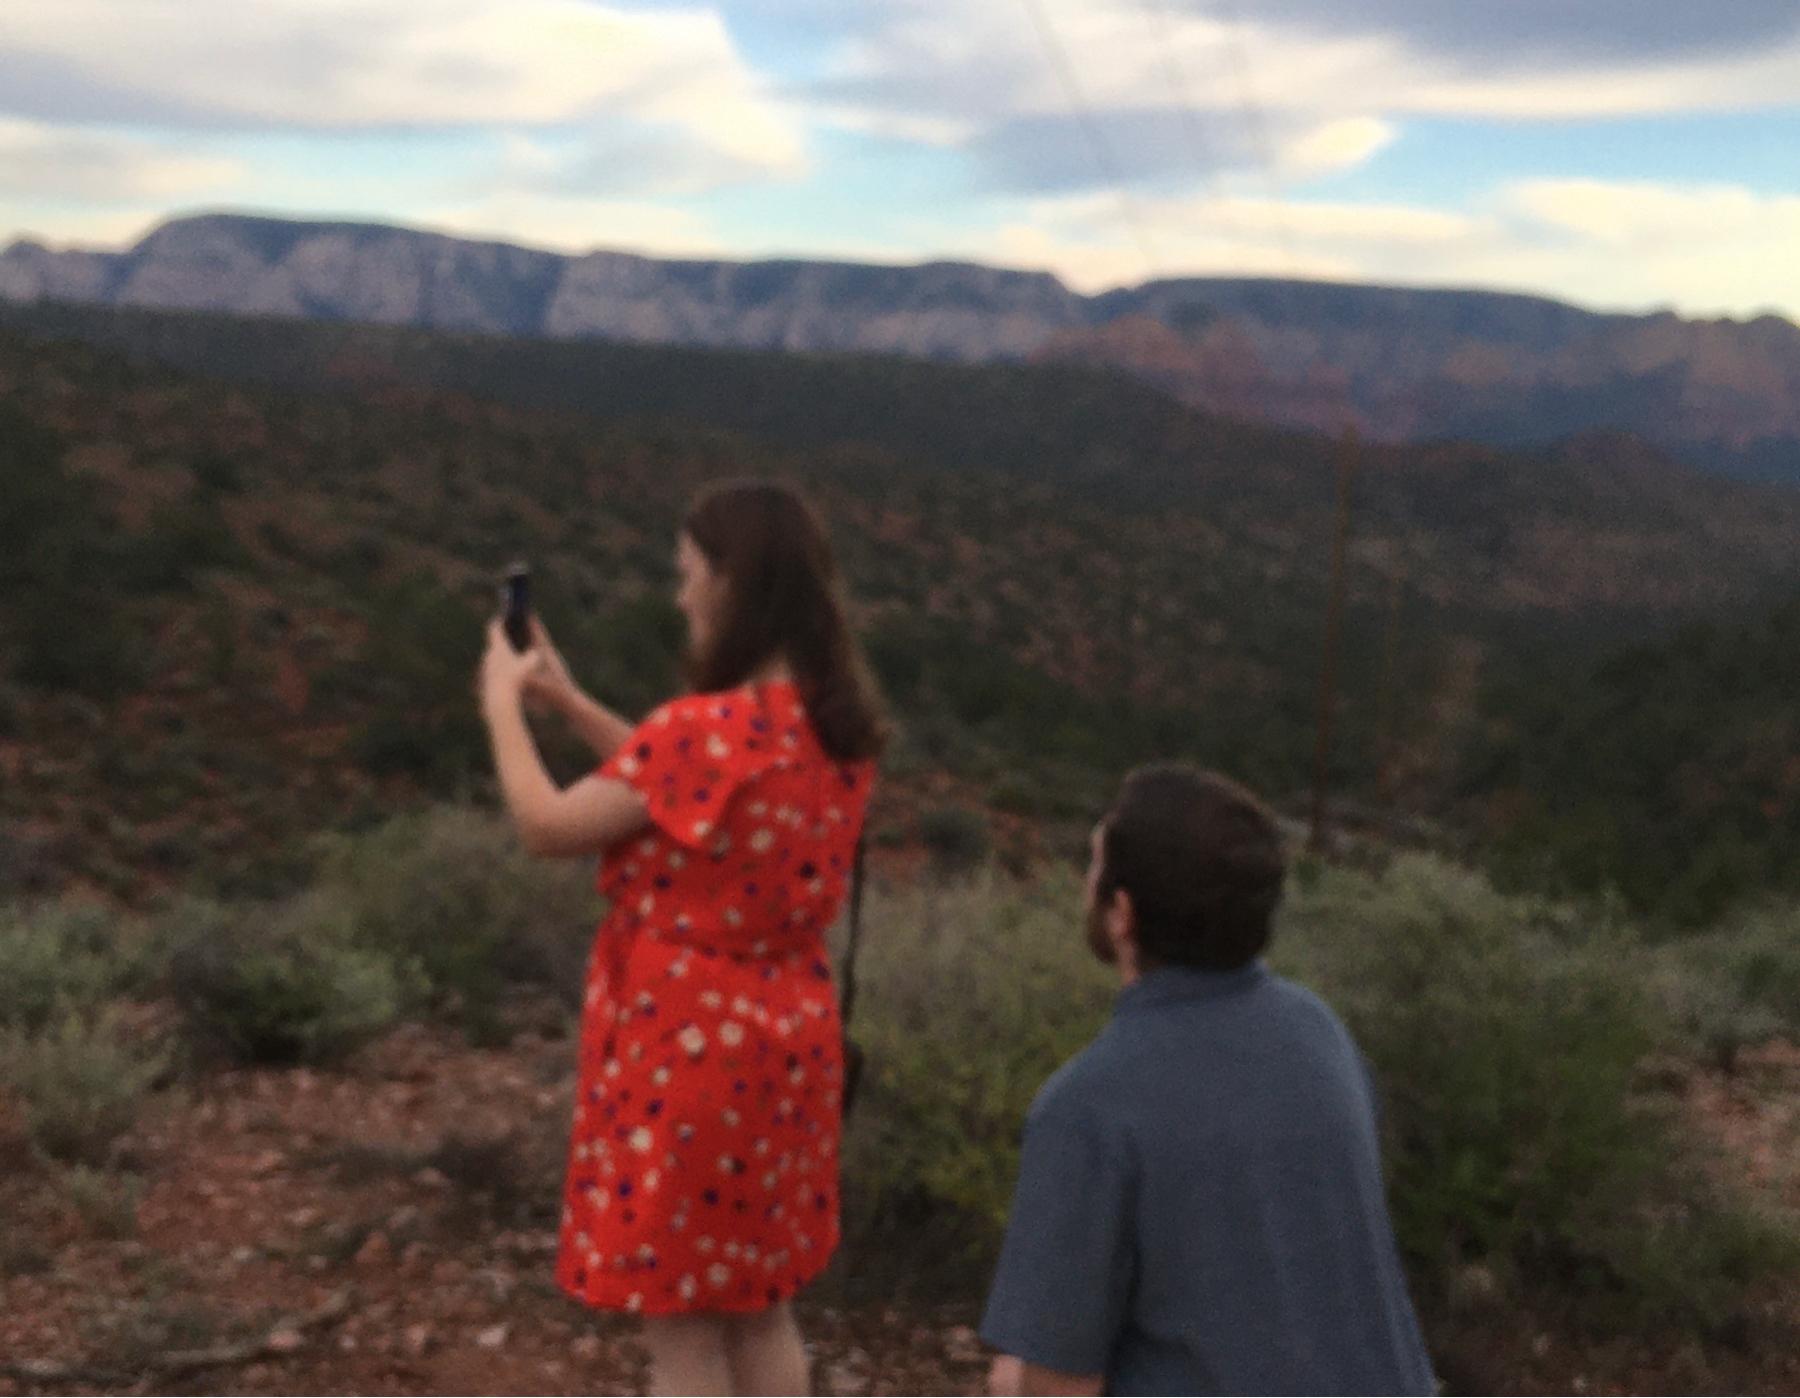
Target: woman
702	1188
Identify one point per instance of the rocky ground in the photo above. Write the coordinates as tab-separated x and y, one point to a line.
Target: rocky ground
385	1228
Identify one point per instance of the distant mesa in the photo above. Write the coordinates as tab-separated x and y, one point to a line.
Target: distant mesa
1401	364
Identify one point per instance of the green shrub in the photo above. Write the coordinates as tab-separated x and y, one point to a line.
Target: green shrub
1508	1038
971	996
100	657
1507	1041
79	1082
283	984
451	892
66	953
181	541
1736	986
957	839
105	1201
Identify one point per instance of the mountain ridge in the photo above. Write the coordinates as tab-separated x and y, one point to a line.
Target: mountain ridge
1399	363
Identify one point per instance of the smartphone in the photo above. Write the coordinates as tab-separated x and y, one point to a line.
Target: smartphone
515	601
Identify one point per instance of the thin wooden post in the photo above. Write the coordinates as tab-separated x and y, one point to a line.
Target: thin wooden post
1334	621
1387	735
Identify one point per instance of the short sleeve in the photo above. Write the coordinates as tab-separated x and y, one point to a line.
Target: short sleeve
686	760
1060	1295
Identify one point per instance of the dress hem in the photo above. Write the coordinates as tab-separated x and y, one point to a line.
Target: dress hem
661	1307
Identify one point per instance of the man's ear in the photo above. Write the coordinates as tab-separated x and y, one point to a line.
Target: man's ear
1121	924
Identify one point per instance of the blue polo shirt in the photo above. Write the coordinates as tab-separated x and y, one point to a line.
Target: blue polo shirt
1200	1206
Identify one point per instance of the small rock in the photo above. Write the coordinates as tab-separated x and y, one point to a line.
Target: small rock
305	1218
963	1345
431	1178
268	1161
403	1218
1474	1287
1540	1346
586	1347
376	1251
241	1255
285	1341
493	1337
346	1343
418	1339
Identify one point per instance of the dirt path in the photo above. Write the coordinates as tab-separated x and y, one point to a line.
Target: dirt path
422	1177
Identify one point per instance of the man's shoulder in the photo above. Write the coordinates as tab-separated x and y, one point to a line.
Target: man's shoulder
1304	1006
1083	1087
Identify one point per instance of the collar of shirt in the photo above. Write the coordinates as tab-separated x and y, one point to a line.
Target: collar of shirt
1170	984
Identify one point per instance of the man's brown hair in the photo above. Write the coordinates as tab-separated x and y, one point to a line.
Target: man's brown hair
1203	862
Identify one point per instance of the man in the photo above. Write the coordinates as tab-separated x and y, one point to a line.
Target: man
1200	1205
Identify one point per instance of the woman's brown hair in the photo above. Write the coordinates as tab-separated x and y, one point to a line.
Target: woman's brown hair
784	599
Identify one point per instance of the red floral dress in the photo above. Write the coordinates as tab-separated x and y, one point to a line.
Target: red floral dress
703	1165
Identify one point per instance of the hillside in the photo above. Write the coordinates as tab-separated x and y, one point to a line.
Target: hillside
1670	770
246	561
1403	364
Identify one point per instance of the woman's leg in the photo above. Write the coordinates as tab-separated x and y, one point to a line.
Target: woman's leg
765	1352
687	1354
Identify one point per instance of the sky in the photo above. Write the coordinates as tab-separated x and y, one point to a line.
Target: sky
1626	154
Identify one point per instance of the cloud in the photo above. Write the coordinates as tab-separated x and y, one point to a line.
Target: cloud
1337	145
348	65
45	162
1711	250
1190	93
1083	239
574	225
79	226
1536	32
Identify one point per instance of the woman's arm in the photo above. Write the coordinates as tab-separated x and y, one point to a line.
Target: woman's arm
1011	1377
595	724
592	815
550	681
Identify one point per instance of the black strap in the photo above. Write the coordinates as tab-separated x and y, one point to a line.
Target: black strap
847	996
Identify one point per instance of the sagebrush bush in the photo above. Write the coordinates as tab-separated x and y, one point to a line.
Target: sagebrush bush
971	995
283	983
957	839
451	892
1505	1046
79	1081
61	954
1507	1037
105	1201
1737	985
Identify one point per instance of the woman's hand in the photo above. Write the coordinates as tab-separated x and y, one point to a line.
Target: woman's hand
549	684
505	672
